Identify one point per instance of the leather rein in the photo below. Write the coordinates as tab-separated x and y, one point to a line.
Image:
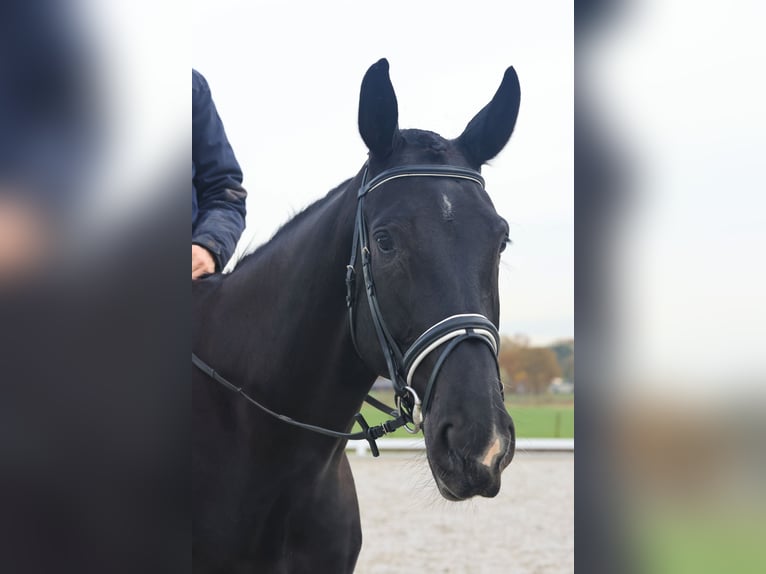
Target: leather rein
401	367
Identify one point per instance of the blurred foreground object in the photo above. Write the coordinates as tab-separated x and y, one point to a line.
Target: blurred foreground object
94	297
679	370
49	109
48	130
692	477
24	239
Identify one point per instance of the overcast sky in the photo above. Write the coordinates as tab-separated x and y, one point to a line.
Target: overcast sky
286	75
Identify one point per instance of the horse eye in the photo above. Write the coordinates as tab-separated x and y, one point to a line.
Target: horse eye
504	244
384	241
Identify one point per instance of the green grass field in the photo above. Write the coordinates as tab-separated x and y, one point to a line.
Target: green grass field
543	421
535	417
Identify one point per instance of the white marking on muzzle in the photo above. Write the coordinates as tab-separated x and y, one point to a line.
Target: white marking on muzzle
495	448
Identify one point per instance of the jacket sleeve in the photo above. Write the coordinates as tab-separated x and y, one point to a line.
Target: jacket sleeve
217	179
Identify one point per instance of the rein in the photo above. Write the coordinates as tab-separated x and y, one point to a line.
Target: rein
401	366
368	433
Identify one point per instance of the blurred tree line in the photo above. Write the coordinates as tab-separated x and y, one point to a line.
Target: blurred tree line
528	369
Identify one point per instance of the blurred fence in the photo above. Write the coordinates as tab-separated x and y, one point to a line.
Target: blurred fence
362	447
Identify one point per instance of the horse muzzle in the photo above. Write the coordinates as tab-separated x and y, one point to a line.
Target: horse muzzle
461	472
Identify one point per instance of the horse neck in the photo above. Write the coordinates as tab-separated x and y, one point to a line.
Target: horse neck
287	306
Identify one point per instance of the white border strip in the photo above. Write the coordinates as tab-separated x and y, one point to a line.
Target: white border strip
362	447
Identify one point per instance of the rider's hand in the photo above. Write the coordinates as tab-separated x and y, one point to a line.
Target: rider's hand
202	262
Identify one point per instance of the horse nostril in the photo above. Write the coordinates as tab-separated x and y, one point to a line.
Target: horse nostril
445	434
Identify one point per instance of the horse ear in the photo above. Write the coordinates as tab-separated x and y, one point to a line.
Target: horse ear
378	110
488	132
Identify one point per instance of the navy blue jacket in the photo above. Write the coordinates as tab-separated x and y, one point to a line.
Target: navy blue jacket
218	198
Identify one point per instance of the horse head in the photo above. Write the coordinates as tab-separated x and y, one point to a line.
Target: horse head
434	247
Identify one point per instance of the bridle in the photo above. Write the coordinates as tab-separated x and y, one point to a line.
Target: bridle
401	367
454	329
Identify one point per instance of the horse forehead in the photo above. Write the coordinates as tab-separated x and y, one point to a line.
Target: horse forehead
432	202
437	195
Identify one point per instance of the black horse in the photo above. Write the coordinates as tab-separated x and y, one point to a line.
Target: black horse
270	497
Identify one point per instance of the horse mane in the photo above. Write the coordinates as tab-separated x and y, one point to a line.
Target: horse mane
290	224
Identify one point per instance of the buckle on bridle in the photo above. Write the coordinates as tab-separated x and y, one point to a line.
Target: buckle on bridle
413	412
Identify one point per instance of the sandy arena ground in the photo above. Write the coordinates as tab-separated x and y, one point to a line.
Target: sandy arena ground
408	527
